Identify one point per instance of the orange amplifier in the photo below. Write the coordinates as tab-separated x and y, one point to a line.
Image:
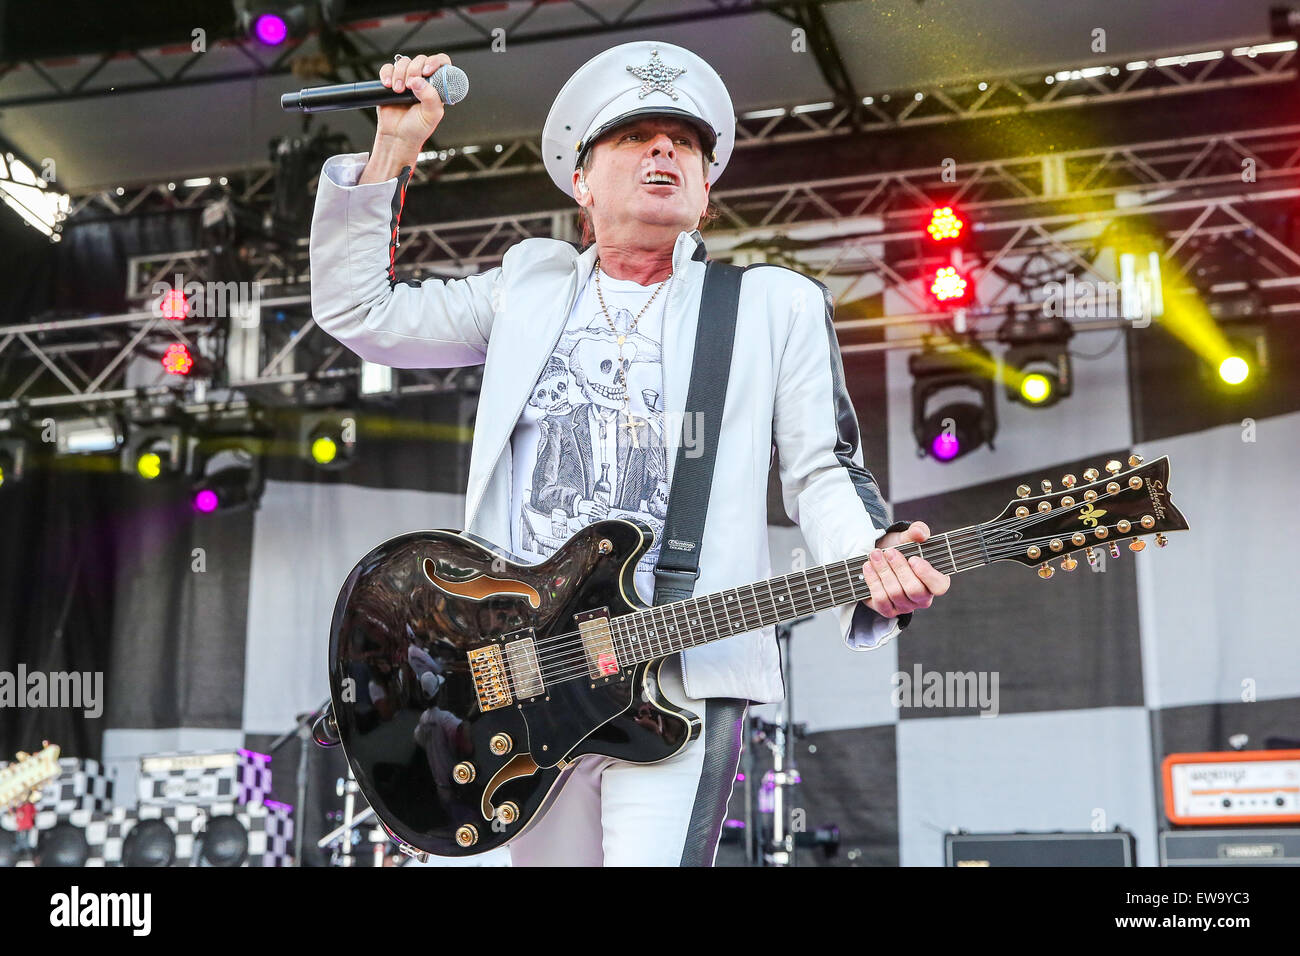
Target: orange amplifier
1237	786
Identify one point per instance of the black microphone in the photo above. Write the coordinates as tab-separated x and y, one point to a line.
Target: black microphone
450	81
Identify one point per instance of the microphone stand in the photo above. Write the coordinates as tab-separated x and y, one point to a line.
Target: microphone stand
780	736
303	731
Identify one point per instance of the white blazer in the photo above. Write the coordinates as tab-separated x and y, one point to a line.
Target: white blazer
786	388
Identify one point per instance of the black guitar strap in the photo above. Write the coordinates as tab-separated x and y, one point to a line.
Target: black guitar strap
688	499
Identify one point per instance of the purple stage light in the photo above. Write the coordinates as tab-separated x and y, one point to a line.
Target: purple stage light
945	446
206	501
270	29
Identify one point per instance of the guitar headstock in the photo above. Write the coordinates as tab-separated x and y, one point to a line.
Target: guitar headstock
21	780
1100	513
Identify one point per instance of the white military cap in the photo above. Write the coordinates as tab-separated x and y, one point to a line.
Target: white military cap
643	78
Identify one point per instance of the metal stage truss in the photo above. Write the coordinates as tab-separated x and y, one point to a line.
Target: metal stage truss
1034	216
1195	179
1264	66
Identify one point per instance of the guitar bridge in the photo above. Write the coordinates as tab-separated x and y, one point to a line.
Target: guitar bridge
491	684
504	672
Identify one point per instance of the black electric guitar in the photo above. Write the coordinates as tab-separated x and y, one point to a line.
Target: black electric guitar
465	680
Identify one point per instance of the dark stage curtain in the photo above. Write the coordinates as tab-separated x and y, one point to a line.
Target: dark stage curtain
57	582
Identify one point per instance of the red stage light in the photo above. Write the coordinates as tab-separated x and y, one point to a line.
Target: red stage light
949	286
177	360
174	305
945	224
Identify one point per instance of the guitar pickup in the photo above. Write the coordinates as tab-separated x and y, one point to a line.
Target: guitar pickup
521	663
597	643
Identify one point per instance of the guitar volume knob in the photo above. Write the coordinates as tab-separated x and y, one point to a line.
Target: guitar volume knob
500	744
463	772
508	812
467	835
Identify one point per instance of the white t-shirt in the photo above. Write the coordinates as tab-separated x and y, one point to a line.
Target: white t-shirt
575	457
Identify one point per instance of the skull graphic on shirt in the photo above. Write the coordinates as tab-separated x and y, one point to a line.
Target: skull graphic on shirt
599	372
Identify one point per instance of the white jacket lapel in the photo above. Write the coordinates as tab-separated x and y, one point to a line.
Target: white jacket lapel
681	315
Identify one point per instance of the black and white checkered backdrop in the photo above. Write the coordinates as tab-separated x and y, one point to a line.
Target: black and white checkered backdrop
1099	673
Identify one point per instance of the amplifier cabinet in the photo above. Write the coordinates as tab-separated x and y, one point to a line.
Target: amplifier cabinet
1083	848
1239	846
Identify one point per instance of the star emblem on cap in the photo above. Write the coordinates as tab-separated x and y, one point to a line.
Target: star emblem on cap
656	75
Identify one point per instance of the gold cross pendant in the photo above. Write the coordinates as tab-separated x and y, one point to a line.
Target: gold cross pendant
632	424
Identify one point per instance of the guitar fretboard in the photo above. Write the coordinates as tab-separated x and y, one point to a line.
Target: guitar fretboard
668	628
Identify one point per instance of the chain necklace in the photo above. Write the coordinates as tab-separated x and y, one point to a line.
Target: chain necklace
632	423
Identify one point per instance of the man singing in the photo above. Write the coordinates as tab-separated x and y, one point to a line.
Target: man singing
587	357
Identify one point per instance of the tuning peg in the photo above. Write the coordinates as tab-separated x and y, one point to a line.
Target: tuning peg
1114	549
1134	460
1092	557
1161	540
1113	466
1068	481
1046	486
1045	571
1137	544
1069	564
1022	491
1091	474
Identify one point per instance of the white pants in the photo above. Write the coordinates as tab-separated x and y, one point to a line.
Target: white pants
609	812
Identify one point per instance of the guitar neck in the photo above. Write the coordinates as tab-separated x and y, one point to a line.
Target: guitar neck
667	628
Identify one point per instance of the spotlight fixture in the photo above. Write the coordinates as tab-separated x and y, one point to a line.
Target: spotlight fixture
153	451
228	473
1234	369
1038	372
87	436
177	359
945	224
1243	324
174	305
272	22
949	286
328	439
1247	359
953	409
